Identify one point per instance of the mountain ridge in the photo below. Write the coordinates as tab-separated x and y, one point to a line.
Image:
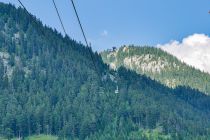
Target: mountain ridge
159	65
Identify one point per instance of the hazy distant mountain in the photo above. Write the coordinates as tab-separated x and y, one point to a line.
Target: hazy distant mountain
158	65
48	85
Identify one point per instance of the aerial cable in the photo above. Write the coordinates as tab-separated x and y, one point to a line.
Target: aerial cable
42	32
85	38
59	17
65	31
83	33
22	5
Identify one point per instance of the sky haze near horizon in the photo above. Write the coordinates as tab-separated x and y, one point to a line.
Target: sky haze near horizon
109	23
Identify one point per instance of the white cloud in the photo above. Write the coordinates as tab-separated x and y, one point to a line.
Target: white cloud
104	33
193	50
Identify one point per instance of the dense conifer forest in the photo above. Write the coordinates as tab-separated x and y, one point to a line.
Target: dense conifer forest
48	85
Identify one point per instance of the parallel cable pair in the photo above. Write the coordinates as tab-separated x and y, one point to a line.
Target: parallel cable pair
83	33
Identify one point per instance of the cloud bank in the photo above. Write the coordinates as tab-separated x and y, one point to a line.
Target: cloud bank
193	50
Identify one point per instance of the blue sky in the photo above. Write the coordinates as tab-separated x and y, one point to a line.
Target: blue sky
109	23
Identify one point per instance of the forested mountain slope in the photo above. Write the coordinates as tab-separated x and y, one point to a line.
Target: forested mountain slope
48	85
158	65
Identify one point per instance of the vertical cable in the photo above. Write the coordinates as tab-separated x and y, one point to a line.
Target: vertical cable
59	17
